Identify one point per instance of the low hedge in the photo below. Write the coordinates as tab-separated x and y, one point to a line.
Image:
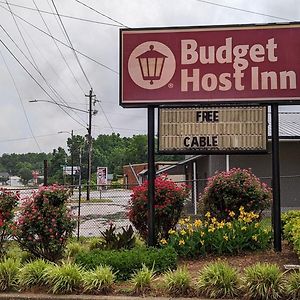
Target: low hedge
289	215
126	262
291	228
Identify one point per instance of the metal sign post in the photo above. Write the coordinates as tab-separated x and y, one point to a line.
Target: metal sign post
151	178
276	212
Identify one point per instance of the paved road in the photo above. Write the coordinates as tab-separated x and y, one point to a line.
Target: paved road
95	217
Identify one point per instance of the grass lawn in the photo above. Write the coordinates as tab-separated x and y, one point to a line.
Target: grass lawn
93	200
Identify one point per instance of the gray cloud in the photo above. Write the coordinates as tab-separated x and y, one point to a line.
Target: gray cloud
100	42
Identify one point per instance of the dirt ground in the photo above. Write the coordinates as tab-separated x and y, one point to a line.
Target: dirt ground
285	257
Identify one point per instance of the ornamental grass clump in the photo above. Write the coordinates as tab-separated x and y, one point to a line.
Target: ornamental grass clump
169	201
230	190
63	279
33	274
263	281
236	233
292	286
73	248
99	280
45	223
9	269
142	279
178	282
8	202
218	280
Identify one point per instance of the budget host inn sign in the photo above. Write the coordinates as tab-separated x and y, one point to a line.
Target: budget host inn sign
210	65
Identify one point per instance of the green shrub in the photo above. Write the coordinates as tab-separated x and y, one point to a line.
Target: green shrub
9	269
292	286
8	202
238	233
169	201
99	280
73	248
230	190
289	215
218	280
263	281
94	242
32	274
16	253
292	232
66	278
142	279
126	262
177	282
45	223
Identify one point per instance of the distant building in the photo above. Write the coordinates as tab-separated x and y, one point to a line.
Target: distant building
136	174
4	176
14	181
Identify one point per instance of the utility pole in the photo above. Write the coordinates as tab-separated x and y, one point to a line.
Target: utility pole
72	160
89	138
45	172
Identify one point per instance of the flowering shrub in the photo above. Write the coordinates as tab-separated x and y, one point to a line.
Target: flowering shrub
231	190
44	223
168	204
236	234
8	202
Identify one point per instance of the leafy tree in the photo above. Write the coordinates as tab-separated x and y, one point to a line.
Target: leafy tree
55	167
25	174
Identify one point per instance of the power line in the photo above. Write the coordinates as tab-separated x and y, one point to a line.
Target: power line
22	105
61	42
61	54
121	128
244	10
63	16
107	120
47	83
33	60
22	37
25	138
34	64
54	101
28	138
100	13
69	40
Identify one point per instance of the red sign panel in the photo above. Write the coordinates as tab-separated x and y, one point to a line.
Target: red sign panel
210	65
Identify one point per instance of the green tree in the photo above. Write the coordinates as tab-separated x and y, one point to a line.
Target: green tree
55	167
25	174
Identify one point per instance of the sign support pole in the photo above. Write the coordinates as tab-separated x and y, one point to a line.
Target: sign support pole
276	209
151	178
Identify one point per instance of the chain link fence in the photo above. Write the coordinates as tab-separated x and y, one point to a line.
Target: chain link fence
109	203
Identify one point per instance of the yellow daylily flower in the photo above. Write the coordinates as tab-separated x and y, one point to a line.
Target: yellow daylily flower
197	223
181	242
231	214
163	241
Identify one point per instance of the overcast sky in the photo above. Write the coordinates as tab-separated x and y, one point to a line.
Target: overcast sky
33	127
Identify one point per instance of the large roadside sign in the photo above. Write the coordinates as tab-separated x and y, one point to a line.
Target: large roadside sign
210	65
213	130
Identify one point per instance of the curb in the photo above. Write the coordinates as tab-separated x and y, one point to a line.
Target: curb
31	296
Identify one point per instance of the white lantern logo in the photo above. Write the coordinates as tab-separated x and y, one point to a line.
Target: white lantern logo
151	65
